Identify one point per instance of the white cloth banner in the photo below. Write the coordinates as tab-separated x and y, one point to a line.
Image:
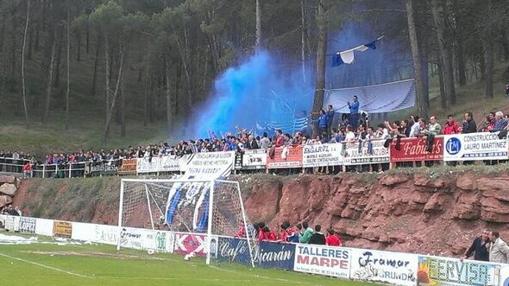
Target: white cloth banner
254	159
475	146
210	165
381	266
322	155
158	164
378	98
322	260
355	156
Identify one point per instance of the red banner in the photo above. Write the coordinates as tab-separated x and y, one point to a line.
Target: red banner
285	157
415	149
186	243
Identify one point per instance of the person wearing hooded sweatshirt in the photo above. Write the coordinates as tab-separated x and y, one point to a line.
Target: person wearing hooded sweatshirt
318	237
308	233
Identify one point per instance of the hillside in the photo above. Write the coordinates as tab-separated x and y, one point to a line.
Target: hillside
424	211
86	129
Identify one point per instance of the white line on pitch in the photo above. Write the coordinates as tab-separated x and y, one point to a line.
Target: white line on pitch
46	266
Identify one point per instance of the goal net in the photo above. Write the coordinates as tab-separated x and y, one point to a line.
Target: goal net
198	212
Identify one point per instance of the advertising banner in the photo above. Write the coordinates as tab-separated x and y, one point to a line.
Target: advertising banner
131	237
322	155
158	164
106	234
254	159
322	260
44	227
475	146
504	275
128	166
265	254
83	231
285	158
27	224
381	266
104	168
186	243
12	223
362	153
62	229
210	165
416	149
441	271
160	241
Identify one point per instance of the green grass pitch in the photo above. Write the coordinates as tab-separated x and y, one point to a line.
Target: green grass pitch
47	263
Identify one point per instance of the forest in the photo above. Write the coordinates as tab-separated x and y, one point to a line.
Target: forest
155	61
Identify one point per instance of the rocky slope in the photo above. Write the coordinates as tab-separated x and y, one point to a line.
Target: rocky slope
398	211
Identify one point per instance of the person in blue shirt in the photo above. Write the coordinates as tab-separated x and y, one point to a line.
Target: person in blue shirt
330	119
354	112
323	122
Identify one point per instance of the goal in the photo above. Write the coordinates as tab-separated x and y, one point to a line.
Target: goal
202	210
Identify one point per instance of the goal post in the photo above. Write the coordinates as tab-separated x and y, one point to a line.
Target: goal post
195	208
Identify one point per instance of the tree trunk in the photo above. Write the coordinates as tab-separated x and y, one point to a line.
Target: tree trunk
445	59
96	65
488	67
258	24
2	57
114	96
320	62
68	62
460	63
488	42
421	104
303	39
87	37
58	58
169	103
122	108
49	85
107	89
443	97
145	97
78	46
23	87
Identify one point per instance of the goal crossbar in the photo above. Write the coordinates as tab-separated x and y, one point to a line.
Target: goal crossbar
209	186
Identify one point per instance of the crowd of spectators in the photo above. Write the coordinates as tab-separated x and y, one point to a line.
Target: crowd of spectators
299	233
330	128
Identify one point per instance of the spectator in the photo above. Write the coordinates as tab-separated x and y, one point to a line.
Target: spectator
350	136
500	122
322	123
280	141
27	169
307	234
434	127
415	129
333	238
251	143
507	89
317	237
480	247
488	124
499	251
354	112
330	119
451	126
265	141
469	125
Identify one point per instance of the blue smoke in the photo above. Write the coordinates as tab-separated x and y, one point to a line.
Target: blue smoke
257	92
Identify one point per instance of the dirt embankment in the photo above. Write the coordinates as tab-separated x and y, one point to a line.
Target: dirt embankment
405	212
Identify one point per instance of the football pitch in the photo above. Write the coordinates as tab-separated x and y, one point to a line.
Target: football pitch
49	262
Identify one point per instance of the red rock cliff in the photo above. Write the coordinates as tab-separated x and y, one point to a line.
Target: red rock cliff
415	213
406	212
